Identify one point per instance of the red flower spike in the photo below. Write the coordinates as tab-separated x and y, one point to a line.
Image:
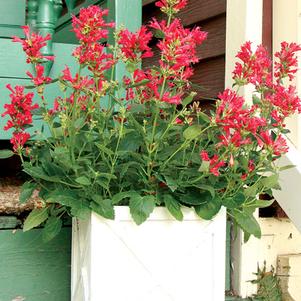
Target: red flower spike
32	45
135	45
255	67
18	140
19	109
171	5
90	26
288	63
39	79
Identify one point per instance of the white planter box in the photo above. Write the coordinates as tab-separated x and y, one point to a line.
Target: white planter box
160	260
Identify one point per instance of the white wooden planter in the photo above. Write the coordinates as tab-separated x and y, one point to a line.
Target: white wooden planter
160	260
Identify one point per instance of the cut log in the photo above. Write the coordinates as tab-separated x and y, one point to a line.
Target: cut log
9	197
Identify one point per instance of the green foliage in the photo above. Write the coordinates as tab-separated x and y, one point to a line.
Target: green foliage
268	286
5	154
144	142
27	191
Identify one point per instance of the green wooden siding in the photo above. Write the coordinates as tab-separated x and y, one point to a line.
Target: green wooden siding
33	270
12	16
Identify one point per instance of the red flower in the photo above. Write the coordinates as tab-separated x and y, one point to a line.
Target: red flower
39	79
135	45
214	164
171	5
255	67
94	56
78	83
18	140
285	101
178	48
19	109
32	45
277	146
90	26
287	65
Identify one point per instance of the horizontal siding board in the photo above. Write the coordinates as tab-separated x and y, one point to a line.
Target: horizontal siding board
13	61
194	12
211	76
12	12
215	44
33	270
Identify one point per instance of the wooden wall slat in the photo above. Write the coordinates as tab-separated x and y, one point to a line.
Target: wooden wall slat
195	11
211	76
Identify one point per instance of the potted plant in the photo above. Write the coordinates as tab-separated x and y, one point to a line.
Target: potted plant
141	146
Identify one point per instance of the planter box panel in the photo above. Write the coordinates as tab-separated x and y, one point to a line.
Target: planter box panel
162	259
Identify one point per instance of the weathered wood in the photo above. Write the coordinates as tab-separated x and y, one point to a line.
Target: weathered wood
195	11
145	2
267	25
33	270
211	76
9	197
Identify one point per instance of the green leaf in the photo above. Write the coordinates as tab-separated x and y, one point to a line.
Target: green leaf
270	182
286	167
247	222
117	198
204	166
52	228
26	191
187	100
159	34
39	173
79	123
130	66
104	149
141	207
83	181
260	204
204	117
256	100
64	197
192	132
6	153
251	191
81	213
207	188
209	209
234	202
173	207
141	83
103	207
195	197
35	218
171	183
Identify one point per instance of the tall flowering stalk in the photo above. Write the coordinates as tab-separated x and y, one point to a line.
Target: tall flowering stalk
143	141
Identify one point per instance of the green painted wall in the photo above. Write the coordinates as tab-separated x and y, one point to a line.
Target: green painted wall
33	270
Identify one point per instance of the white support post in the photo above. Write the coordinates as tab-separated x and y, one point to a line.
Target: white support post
244	23
287	27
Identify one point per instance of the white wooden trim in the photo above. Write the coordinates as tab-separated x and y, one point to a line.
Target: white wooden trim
244	23
287	27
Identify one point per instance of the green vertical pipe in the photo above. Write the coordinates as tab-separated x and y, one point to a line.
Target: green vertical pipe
70	4
46	25
58	7
32	10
